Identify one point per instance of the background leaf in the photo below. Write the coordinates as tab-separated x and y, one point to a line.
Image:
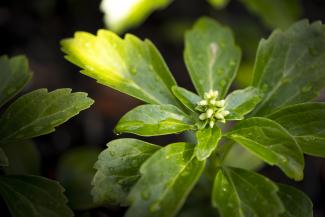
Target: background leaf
186	97
128	65
241	102
33	196
39	112
166	179
306	122
153	120
14	74
121	15
75	172
24	158
211	56
219	4
3	159
238	192
289	66
270	142
296	203
207	141
275	13
118	170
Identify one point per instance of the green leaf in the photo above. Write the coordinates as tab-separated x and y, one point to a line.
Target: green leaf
24	158
238	192
306	122
39	112
207	141
14	74
128	65
75	172
211	56
167	177
275	13
290	66
219	4
186	97
33	196
121	15
296	203
241	102
3	159
242	158
153	120
118	170
270	142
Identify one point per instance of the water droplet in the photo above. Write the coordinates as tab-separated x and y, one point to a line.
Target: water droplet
223	83
87	44
306	88
133	71
154	207
145	195
232	63
284	160
224	189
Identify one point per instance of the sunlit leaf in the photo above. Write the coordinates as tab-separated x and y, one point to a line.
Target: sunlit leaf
238	192
153	120
121	15
296	203
275	13
270	142
219	4
241	102
290	66
207	141
211	56
14	75
39	112
33	196
186	97
118	170
75	172
166	179
128	65
306	122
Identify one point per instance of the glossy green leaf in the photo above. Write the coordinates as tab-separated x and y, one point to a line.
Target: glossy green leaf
153	120
296	203
166	179
39	112
3	159
14	75
186	97
239	157
118	170
24	158
75	172
290	66
275	13
239	192
241	102
33	196
219	4
207	141
270	142
211	56
128	65
306	122
121	15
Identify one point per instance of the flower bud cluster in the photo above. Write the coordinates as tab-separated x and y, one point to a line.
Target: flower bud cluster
212	110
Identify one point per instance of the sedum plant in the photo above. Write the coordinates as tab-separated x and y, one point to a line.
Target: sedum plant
272	119
31	115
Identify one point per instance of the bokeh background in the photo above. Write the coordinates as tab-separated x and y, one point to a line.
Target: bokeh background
36	27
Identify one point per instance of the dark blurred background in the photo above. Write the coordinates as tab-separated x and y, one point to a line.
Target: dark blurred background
36	27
